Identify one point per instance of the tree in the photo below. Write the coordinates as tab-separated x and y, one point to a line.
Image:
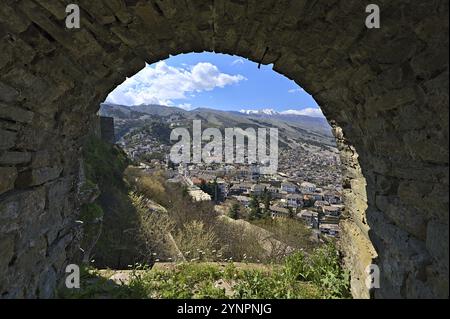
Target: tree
185	191
211	188
234	211
255	210
291	212
267	199
170	164
215	191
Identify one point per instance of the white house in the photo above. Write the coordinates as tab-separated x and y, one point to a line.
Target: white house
244	200
332	197
277	211
198	195
321	203
258	189
274	191
331	210
294	200
330	229
310	217
288	188
307	187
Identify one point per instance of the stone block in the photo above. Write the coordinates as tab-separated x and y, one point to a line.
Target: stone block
7	139
15	21
22	207
424	146
6	252
430	197
16	114
15	50
14	158
7	93
8	176
9	126
47	283
56	8
9	209
29	256
40	159
437	242
37	176
404	216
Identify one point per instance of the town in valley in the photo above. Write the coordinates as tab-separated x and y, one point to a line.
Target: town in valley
307	185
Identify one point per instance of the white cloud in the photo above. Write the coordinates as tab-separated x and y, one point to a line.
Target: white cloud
295	90
238	61
161	84
309	111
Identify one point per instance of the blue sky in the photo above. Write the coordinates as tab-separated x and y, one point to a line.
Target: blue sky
217	81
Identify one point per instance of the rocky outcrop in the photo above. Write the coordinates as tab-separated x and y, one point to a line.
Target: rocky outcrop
387	89
355	244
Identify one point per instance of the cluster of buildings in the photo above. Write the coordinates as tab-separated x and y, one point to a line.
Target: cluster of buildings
319	207
320	166
144	147
306	187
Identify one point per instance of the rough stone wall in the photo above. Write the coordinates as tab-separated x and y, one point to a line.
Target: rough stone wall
107	129
355	244
387	89
102	127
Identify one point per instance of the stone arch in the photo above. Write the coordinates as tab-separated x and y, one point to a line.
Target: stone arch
384	90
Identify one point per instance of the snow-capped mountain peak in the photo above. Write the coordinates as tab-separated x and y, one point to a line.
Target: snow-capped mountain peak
262	111
309	111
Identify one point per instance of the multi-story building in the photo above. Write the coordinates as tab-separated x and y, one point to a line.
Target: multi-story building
288	187
294	200
307	187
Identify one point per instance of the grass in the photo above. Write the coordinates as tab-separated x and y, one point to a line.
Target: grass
301	276
98	286
290	231
91	212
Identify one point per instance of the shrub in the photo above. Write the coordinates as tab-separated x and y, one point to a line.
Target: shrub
104	163
234	211
239	242
325	270
196	241
152	188
91	213
153	228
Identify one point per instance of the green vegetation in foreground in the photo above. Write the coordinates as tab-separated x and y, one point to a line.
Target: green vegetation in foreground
314	276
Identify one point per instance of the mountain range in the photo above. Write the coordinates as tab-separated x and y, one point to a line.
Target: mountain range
307	129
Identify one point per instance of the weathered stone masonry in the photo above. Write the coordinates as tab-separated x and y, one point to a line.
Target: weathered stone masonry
385	90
